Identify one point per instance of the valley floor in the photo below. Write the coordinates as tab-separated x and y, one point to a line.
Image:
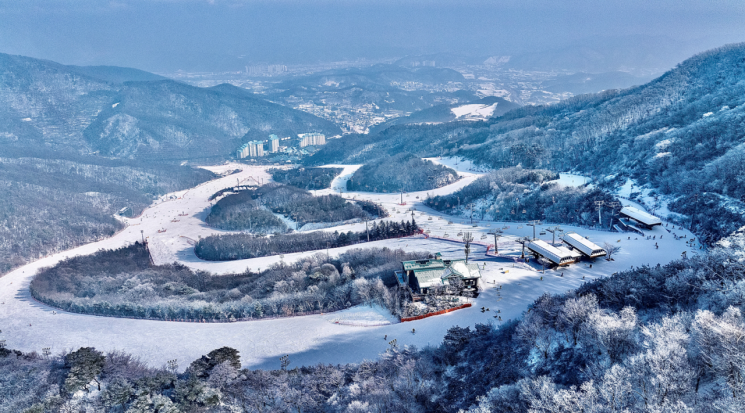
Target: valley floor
28	325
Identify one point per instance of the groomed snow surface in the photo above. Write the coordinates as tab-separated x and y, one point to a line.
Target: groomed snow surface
348	336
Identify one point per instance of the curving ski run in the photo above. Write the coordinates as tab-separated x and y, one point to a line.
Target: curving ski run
28	325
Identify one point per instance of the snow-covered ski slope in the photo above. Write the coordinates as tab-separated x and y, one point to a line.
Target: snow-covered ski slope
28	325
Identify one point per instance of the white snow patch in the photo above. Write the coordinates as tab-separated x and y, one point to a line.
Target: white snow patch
663	144
115	105
26	119
474	111
707	114
363	316
571	180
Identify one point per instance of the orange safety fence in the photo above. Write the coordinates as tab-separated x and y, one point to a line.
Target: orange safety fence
420	317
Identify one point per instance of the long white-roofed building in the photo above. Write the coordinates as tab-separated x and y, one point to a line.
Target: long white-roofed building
646	219
553	254
584	245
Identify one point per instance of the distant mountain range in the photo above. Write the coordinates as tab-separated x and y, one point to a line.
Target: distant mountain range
386	86
682	135
128	113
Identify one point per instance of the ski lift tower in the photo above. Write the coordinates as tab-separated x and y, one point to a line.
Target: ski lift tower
553	232
524	241
533	224
497	234
599	207
612	205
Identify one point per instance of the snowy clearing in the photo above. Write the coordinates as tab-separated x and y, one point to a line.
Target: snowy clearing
474	111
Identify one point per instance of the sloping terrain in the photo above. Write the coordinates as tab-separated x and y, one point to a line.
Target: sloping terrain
387	87
681	135
128	113
170	120
447	113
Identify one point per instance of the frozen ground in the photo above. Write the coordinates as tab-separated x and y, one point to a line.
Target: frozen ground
28	325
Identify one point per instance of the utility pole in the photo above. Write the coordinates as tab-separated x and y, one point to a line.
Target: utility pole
470	207
367	230
533	224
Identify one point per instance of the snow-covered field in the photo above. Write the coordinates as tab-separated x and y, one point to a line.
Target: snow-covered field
474	111
28	325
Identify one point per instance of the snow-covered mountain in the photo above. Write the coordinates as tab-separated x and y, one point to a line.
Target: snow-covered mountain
128	113
681	134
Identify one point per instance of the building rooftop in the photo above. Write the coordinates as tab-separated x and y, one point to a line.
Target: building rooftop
547	250
583	244
641	216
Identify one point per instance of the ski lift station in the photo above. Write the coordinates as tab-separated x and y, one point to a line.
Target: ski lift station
645	219
584	245
558	255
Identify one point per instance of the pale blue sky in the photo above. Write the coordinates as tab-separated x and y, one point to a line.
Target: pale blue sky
166	35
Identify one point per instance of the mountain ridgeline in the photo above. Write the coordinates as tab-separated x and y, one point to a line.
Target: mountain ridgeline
127	113
679	135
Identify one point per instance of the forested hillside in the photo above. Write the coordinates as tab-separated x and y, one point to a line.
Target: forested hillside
402	172
128	113
516	194
58	191
252	209
49	205
306	178
681	134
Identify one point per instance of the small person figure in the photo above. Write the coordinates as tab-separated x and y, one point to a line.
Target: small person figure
413	331
385	337
590	265
562	274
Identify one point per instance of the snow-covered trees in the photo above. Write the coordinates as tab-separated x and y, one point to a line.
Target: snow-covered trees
504	194
252	210
242	246
306	178
401	172
123	283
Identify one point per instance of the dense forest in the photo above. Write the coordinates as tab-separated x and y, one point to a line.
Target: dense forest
241	212
516	194
306	178
663	338
242	246
679	135
50	205
252	209
123	283
402	172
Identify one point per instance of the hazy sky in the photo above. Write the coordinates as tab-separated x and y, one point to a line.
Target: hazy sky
166	35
